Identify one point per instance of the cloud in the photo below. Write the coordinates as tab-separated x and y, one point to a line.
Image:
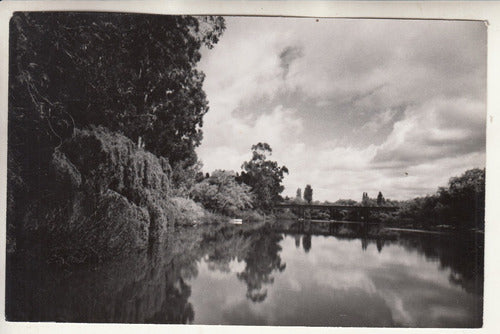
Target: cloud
287	56
349	106
435	130
279	128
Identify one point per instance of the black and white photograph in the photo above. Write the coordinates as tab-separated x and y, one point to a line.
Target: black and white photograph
245	170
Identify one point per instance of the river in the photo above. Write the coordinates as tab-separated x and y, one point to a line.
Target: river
264	275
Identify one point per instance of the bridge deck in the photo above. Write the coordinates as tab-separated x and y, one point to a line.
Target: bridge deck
335	207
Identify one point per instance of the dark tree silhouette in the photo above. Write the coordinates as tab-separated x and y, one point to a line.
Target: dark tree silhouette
131	73
308	194
380	199
134	74
461	204
365	199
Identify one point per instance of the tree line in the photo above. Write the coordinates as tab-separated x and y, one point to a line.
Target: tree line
458	205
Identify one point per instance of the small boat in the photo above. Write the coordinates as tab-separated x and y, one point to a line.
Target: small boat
236	221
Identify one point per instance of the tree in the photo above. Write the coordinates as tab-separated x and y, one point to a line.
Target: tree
380	199
347	202
308	194
185	176
131	73
364	199
460	204
367	201
264	177
463	201
221	193
299	193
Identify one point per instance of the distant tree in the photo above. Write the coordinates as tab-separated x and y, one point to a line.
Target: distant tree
264	177
221	193
299	193
308	193
364	199
380	199
348	202
367	201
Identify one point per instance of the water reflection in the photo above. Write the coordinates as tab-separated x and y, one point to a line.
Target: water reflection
261	275
307	242
262	259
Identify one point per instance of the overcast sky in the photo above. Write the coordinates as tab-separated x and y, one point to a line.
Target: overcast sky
349	106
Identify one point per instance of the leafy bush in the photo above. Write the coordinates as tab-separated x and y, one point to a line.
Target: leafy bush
187	211
221	193
106	197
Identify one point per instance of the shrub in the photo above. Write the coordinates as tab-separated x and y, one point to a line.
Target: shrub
222	194
106	197
187	212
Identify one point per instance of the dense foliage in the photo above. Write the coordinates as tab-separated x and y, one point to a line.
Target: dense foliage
135	74
108	197
460	204
123	91
264	177
221	193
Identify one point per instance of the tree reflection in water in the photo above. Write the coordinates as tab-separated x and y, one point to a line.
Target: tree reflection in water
155	288
140	289
262	259
297	240
307	242
258	248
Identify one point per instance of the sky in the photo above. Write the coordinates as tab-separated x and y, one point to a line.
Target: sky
348	105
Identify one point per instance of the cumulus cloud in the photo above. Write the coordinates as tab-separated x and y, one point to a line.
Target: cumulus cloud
435	130
349	106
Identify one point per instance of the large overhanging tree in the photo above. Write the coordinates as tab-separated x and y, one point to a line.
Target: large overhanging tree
131	73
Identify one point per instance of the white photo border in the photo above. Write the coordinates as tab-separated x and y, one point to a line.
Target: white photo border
487	11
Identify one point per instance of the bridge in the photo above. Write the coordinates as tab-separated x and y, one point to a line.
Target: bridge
363	211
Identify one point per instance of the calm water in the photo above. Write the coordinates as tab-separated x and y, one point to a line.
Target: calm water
265	276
